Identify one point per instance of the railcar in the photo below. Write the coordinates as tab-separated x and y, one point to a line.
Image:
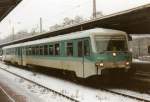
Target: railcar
87	53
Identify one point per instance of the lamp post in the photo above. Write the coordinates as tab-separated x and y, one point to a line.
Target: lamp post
41	25
94	8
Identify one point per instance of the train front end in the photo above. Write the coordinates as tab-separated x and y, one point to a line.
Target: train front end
111	53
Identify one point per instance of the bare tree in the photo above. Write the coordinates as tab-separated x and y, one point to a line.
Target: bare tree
67	21
34	31
54	27
78	19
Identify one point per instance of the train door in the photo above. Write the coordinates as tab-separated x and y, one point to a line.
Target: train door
23	56
83	53
80	65
88	65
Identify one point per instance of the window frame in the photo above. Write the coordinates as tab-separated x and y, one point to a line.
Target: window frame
66	51
56	49
83	47
51	54
45	54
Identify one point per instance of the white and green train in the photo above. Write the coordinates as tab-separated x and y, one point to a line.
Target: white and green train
87	53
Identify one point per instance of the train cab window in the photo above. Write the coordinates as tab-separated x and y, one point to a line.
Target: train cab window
57	49
41	50
51	51
80	48
69	49
86	48
45	49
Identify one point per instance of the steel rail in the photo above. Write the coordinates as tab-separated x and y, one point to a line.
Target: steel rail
10	98
56	92
126	95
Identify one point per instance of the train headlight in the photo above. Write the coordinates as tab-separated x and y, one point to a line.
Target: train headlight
101	64
114	54
127	63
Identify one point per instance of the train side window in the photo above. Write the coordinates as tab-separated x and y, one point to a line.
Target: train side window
30	51
149	49
10	51
51	51
26	51
37	50
33	50
18	51
57	49
69	49
80	48
45	49
41	50
86	48
15	51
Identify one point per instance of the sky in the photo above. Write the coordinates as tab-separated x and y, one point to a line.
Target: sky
27	14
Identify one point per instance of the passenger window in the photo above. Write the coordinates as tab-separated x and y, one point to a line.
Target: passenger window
45	49
69	49
41	50
86	48
80	49
18	51
37	50
149	49
30	51
51	50
57	49
33	50
26	51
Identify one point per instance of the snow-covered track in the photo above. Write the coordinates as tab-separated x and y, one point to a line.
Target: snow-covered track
51	90
9	97
126	95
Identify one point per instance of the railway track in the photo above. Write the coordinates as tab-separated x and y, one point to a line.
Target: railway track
51	90
74	100
5	96
126	95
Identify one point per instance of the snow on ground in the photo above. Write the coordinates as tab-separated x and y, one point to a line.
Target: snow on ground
81	93
32	92
11	82
132	93
140	61
135	36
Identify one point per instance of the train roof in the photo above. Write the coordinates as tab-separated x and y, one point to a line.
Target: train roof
75	35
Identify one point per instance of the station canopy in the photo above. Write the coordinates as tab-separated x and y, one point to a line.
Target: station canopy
6	6
132	21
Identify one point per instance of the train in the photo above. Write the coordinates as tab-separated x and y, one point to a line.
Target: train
86	53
